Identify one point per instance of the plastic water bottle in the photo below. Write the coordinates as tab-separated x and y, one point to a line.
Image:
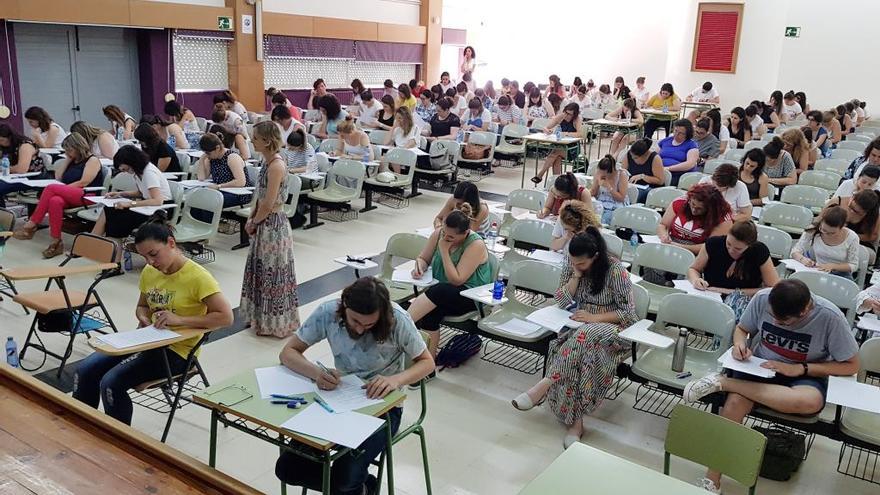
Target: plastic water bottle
365	157
665	108
498	289
680	351
634	240
558	133
11	352
492	236
120	133
459	137
4	166
126	260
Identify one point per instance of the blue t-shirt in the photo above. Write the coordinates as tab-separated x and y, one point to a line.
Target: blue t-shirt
824	148
673	155
365	357
331	124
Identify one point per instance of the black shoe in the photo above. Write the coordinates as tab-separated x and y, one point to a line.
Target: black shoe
371	485
431	376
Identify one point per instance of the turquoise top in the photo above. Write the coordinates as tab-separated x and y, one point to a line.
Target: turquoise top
481	276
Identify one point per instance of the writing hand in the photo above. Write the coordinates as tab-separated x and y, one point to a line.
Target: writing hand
701	284
327	381
380	386
785	369
741	351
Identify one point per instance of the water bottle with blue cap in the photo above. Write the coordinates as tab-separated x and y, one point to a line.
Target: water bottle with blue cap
4	166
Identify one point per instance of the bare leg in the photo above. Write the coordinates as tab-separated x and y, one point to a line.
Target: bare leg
552	161
100	225
616	139
418	308
539	390
801	399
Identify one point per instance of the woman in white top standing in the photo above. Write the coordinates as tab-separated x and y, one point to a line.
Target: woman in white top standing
469	63
45	132
353	142
829	246
734	191
102	143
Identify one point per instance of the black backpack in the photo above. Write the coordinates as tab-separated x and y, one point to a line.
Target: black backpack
783	455
458	350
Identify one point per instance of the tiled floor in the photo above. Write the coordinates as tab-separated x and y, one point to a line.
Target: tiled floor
478	444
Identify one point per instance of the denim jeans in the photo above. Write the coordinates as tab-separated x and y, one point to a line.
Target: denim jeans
7	188
348	473
109	378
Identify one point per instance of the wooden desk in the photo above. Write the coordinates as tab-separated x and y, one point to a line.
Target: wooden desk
112	351
696	105
547	141
48	272
51	443
584	469
237	403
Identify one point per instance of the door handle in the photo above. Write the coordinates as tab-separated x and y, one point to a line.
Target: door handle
75	109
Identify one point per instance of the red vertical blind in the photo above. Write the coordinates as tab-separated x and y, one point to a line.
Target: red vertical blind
716	40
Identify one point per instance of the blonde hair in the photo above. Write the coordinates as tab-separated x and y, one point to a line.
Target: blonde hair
578	215
77	143
345	127
268	131
798	142
467	209
88	131
406	120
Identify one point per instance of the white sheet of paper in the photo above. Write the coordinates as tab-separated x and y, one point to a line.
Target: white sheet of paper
688	287
195	153
650	239
41	182
756	212
282	380
515	326
751	366
349	429
194	183
551	257
633	278
239	191
869	322
102	200
641	333
404	274
531	216
9	179
149	210
145	335
797	266
553	318
643	186
425	231
348	395
847	392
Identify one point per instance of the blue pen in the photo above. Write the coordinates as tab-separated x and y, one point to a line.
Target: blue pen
323	404
287	397
571	307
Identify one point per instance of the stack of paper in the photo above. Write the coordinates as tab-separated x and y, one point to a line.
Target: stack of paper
522	328
103	200
281	380
349	429
847	392
688	287
348	395
551	257
137	337
751	366
403	274
553	318
640	332
797	266
650	239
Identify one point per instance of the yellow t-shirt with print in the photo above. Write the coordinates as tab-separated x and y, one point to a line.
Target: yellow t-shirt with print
182	293
408	103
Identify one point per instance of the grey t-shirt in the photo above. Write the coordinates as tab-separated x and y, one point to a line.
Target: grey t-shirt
823	335
365	357
710	146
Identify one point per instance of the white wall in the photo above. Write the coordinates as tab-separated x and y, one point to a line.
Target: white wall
389	11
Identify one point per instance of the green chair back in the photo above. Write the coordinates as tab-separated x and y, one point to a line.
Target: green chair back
294	187
401	245
534	276
869	358
809	196
689	179
818	178
661	197
840	291
614	244
846	154
642	220
328	145
531	231
666	257
378	136
643	300
777	241
711	165
202	198
835	165
7	220
786	215
715	442
698	313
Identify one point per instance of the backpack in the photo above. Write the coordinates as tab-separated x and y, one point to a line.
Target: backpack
783	455
458	350
440	155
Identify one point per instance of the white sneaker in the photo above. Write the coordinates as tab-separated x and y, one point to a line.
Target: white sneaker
697	389
708	485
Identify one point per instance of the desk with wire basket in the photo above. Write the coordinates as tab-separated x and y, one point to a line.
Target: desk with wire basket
539	141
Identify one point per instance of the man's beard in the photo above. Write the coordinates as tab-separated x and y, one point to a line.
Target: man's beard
351	333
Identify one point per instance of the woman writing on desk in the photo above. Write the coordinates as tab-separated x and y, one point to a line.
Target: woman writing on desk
24	157
695	217
459	260
353	143
175	293
628	112
829	246
569	122
466	193
582	361
565	187
223	167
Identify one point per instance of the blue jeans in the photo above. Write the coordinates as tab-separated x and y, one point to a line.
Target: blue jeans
109	378
348	473
6	188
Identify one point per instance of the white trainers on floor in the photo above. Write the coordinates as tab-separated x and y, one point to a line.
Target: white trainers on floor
697	389
708	485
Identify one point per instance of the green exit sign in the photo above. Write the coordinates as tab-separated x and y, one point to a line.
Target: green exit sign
792	32
224	23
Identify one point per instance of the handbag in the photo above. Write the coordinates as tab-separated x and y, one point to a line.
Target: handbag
475	151
783	455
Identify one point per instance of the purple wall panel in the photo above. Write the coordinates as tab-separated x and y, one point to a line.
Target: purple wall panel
196	33
9	77
453	36
380	51
156	69
295	46
201	103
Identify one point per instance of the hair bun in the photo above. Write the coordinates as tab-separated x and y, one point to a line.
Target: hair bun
159	216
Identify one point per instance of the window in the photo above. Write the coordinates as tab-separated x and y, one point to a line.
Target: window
300	73
200	63
716	37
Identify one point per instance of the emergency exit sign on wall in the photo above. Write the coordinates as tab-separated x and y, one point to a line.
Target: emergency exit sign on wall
224	23
792	32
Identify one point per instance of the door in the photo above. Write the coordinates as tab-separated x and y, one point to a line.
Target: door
74	71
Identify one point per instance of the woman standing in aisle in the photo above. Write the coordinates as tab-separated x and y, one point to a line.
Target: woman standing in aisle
268	293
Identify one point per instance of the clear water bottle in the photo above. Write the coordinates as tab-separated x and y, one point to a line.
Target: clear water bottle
365	157
665	108
492	236
498	289
680	351
558	133
11	352
120	133
459	138
634	240
126	260
4	166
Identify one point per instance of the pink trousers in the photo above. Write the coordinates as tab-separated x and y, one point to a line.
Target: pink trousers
53	201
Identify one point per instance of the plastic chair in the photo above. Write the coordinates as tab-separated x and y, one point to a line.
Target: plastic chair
851	145
455	321
403	245
818	178
406	158
776	240
787	218
840	291
183	158
7	222
861	429
667	178
614	244
689	179
861	273
530	275
483	139
632	194
328	145
846	154
661	197
540	124
122	182
335	194
716	442
711	165
643	301
202	123
860	137
754	144
378	136
444	151
665	257
836	165
532	234
190	230
642	220
811	197
527	199
734	154
510	133
177	198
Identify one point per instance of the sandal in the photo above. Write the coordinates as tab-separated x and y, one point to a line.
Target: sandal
536	180
24	234
54	249
523	402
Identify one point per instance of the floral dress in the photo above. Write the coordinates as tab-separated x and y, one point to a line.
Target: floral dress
583	360
268	292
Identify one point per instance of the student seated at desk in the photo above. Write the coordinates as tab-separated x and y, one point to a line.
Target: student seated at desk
45	132
574	218
582	361
353	142
121	124
751	174
538	107
680	153
370	337
224	168
819	138
569	122
644	166
791	109
476	117
186	120
795	143
754	120
734	191
770	111
332	115
862	217
779	166
829	245
667	99
444	124
279	99
580	97
151	189
24	157
425	109
609	187
843	118
102	144
865	181
459	260
404	133
170	132
835	130
738	127
284	120
735	265
384	118
868	300
231	102
233	125
175	293
319	90
870	157
368	108
405	98
565	187
300	154
704	94
506	113
709	146
805	339
628	112
466	192
690	220
161	155
81	169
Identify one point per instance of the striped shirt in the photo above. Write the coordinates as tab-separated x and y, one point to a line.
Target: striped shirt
299	158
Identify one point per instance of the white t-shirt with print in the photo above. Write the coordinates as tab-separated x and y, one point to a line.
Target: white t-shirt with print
152	179
791	111
848	187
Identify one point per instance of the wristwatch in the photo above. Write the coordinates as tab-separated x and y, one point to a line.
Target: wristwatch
134	203
806	369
